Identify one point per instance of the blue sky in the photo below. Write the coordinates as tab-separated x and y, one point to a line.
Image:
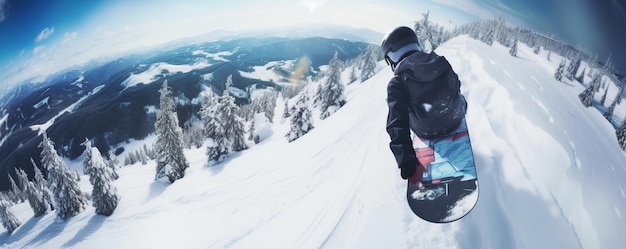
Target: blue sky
39	37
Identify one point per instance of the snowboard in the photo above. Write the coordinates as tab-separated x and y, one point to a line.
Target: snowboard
449	188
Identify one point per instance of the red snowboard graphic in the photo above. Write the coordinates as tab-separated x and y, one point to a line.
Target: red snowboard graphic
450	183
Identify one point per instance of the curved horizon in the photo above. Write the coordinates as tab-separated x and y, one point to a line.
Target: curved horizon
47	37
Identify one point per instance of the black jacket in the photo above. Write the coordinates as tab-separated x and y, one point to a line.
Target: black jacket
423	96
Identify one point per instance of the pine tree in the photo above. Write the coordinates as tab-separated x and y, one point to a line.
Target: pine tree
264	103
549	54
332	95
104	194
558	75
286	110
171	161
208	115
621	135
113	163
68	198
42	186
581	77
9	220
537	49
609	113
570	71
586	97
353	75
87	158
301	118
369	59
229	129
233	123
34	197
16	192
513	50
429	34
603	99
251	130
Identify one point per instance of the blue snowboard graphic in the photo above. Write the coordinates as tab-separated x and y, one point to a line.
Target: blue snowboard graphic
450	183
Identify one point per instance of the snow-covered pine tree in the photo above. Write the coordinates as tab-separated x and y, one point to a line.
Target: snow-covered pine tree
264	103
113	163
581	77
609	113
208	114
369	63
603	99
501	34
332	95
570	71
214	128
513	50
171	161
42	186
232	122
537	49
144	158
16	192
104	194
549	54
317	99
430	35
68	198
34	197
621	135
9	220
228	129
586	97
301	118
87	158
558	75
353	75
488	32
286	110
251	130
193	135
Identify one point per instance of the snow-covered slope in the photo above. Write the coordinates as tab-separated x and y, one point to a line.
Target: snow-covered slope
550	171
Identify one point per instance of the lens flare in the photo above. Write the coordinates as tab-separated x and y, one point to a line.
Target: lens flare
302	68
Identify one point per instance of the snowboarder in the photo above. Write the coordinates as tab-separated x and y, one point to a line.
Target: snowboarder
423	96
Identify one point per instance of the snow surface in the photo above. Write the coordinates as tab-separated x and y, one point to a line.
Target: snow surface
550	171
157	69
41	128
214	56
42	103
268	72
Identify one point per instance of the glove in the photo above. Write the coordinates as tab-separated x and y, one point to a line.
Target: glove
407	171
414	173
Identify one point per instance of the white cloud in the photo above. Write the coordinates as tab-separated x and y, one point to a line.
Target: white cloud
3	10
68	37
38	49
45	33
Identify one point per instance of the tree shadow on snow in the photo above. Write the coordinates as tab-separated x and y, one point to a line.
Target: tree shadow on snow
218	167
156	189
91	227
23	230
51	231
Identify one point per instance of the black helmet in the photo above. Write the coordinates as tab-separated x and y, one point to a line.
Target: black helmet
397	39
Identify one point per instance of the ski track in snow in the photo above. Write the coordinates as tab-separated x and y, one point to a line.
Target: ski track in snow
543	162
